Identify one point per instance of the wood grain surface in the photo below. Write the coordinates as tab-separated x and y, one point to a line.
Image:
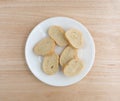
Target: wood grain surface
19	17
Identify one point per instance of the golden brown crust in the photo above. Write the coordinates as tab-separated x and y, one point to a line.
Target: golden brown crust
73	67
44	47
51	64
67	54
58	35
74	37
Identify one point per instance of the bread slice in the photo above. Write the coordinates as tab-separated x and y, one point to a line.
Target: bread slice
44	47
58	35
67	54
50	64
74	37
73	67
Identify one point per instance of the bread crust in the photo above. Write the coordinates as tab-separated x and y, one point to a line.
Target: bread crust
74	37
67	54
50	64
73	67
44	47
58	35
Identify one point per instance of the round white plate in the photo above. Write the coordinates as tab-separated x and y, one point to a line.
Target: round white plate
86	53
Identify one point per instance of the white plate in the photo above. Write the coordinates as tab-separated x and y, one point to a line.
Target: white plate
86	54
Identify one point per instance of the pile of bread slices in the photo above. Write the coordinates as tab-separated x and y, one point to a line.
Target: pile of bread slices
72	40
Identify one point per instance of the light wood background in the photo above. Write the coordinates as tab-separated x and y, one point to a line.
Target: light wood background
19	17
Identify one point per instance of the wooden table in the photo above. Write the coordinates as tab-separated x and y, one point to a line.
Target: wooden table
19	17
